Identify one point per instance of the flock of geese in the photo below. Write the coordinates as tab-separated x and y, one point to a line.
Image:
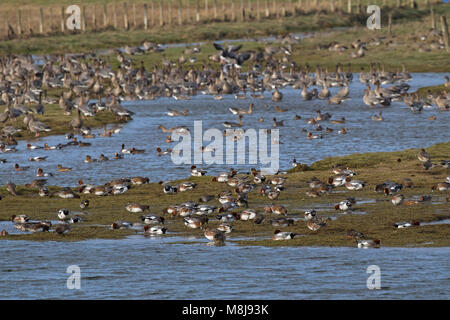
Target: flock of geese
87	85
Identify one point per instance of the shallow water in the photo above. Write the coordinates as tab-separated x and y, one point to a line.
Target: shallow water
400	130
153	268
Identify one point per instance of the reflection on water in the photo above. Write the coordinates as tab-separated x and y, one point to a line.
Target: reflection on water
157	268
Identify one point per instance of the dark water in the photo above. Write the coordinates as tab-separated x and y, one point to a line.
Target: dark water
153	268
400	130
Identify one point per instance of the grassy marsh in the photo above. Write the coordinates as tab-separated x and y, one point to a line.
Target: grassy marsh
373	213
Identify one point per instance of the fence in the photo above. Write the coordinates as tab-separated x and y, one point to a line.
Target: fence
32	20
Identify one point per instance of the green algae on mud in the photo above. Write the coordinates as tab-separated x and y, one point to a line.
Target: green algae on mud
373	215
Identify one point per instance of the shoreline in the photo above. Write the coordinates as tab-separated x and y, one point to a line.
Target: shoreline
373	212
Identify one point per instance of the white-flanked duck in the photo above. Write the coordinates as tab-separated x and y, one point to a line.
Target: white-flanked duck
281	222
343	205
402	225
43	192
136	207
84	204
121	225
195	222
228	124
152	219
276	209
36	159
225	227
176	113
211	233
248	214
228	217
74	219
186	186
337	181
423	156
21	218
40	226
354	184
140	180
34	147
368	243
441	186
278	235
63	214
154	229
196	172
66	193
310	214
316	223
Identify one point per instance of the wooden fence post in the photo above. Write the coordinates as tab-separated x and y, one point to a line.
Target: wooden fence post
153	14
51	19
242	11
233	11
19	22
28	14
180	13
63	20
433	20
170	11
84	19
445	32
115	16
145	17
258	13
332	7
41	20
275	8
349	6
161	21
9	30
197	11
390	24
267	8
94	19
134	15
215	9
125	16
206	9
225	18
105	16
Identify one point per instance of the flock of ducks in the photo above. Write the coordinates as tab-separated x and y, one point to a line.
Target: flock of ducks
197	214
88	85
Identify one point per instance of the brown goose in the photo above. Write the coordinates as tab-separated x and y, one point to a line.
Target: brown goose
77	122
37	127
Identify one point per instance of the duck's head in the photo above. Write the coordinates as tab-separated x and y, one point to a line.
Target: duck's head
116	226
